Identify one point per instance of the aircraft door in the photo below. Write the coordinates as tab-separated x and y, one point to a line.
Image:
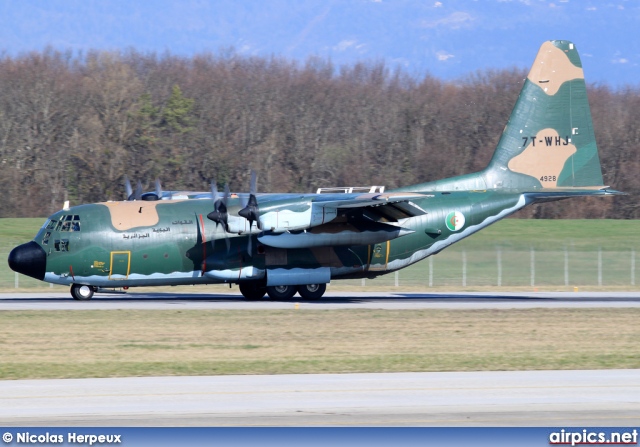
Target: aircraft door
120	264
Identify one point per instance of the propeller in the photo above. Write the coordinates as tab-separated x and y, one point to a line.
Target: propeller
219	215
131	194
251	212
138	195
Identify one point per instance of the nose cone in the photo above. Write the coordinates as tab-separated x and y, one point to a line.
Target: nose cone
29	259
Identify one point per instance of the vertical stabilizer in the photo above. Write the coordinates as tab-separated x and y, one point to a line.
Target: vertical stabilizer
548	141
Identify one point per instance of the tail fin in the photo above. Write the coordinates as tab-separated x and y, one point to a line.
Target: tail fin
549	140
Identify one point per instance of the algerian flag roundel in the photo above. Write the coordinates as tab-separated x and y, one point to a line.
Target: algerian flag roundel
454	220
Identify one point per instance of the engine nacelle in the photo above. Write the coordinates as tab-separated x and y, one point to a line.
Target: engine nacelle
292	218
362	233
288	216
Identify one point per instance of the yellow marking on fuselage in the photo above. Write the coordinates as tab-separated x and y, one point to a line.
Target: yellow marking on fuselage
128	253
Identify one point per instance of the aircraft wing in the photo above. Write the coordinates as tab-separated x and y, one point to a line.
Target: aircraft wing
293	212
371	199
396	205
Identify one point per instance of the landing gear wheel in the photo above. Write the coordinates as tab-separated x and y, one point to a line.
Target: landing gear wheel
80	292
312	291
252	290
281	292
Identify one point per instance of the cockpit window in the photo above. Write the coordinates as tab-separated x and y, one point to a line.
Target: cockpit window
52	224
45	239
69	222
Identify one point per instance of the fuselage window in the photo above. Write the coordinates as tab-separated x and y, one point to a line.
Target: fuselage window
61	245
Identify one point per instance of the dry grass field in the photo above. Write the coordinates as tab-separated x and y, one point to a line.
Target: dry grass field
51	344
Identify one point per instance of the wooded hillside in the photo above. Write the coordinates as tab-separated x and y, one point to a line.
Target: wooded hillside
72	127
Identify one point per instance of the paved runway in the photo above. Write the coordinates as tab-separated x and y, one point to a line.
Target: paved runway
534	398
530	398
332	300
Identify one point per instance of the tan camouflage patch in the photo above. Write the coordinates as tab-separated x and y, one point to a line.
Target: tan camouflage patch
552	68
544	157
127	215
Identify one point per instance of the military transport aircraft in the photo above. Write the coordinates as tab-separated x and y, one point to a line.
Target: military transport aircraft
280	244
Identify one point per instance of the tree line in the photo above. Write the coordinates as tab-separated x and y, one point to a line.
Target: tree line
72	126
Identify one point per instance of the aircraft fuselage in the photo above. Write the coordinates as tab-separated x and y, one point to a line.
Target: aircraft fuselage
139	243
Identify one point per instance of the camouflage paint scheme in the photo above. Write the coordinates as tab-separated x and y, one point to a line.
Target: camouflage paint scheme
547	152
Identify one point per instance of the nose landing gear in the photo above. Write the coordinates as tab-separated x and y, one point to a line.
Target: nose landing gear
81	292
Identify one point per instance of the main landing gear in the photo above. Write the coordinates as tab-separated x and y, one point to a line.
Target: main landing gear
312	291
254	290
80	292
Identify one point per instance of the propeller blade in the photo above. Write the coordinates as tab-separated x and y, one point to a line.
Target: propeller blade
219	215
227	241
158	189
227	193
127	188
214	193
138	194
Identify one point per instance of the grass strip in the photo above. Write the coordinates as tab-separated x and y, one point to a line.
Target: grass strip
119	343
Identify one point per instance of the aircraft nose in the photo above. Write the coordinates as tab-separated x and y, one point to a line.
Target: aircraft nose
29	259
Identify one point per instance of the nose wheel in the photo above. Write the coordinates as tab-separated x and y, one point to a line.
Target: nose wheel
81	292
